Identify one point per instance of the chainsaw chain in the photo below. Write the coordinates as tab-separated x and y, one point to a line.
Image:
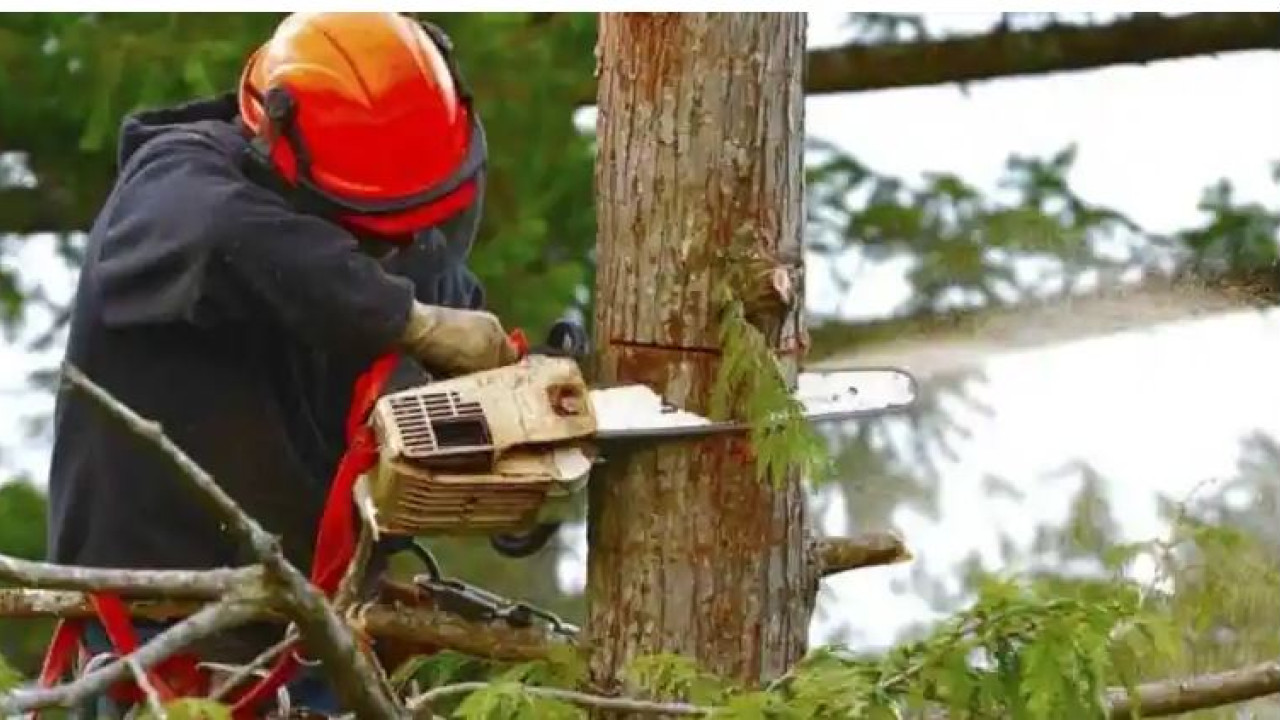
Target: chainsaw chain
476	604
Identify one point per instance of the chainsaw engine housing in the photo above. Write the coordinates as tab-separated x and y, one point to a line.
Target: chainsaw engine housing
480	454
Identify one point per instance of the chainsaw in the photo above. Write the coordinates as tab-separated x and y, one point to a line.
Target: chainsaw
499	452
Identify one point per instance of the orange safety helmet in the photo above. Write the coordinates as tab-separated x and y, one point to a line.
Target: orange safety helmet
367	120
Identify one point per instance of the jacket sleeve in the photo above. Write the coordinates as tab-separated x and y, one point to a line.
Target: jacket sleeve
454	286
232	251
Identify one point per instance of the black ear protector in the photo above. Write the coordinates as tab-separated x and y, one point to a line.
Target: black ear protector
280	109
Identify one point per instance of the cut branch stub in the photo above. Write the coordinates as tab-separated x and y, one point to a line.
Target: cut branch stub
834	555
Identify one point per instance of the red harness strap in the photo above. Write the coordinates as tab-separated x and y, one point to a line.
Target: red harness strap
336	539
174	677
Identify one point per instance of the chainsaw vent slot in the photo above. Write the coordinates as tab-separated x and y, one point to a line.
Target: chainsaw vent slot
441	431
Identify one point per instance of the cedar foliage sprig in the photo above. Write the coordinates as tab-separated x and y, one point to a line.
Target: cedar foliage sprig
750	385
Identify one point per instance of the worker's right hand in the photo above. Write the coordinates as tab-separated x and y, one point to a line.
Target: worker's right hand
456	341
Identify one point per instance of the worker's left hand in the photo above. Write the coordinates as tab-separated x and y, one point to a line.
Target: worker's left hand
457	341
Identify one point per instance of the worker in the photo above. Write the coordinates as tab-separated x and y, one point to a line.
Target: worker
257	252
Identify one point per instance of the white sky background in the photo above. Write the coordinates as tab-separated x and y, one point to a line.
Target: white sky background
1160	409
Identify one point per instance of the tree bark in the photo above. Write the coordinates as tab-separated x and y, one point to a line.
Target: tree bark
700	132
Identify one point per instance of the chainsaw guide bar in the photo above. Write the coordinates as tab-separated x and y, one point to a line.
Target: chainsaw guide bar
488	453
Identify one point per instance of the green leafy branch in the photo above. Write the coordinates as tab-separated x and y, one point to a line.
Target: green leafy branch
1018	652
749	372
750	384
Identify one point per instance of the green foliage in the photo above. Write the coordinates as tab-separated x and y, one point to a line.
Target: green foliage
9	678
510	700
439	669
22	535
22	520
564	668
191	709
1234	235
754	706
1022	651
668	676
1018	651
1210	584
749	385
963	245
527	70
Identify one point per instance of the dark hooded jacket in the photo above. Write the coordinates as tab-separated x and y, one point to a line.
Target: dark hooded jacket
207	303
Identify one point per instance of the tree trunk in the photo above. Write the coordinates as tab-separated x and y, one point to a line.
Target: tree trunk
700	147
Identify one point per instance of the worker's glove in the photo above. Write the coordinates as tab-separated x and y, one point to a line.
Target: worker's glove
456	342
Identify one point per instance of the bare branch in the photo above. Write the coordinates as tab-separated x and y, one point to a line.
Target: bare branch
834	555
211	620
412	625
355	676
1139	39
349	587
1173	697
153	698
422	703
194	584
241	674
22	603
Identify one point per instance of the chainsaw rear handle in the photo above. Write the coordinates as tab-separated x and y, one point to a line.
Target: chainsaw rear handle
565	339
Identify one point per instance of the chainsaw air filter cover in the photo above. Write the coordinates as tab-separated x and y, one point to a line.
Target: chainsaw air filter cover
479	454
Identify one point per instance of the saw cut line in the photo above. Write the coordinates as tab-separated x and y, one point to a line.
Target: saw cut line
660	347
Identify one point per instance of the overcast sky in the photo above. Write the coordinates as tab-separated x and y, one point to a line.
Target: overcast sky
1161	409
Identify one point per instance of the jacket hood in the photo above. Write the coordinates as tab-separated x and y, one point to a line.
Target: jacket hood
447	245
145	125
